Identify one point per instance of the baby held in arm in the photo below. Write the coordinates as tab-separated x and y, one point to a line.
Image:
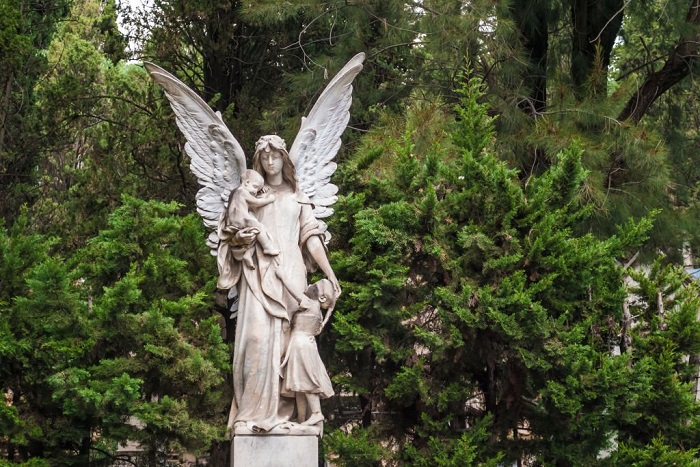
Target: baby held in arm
240	217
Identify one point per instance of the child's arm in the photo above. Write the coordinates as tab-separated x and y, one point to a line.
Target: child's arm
325	320
259	201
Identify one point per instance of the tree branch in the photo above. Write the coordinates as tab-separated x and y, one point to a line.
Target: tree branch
676	68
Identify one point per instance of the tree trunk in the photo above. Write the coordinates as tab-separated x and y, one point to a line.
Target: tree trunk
595	28
626	340
677	67
85	445
694	361
532	20
235	53
219	73
366	410
5	111
220	454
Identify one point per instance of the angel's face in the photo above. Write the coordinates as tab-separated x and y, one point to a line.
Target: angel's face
272	162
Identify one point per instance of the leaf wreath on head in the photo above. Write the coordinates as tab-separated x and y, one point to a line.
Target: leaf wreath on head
218	160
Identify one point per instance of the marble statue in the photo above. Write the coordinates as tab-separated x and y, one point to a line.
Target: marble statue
239	216
267	235
305	376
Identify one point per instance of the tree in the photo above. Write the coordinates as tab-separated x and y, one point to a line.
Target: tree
263	64
480	315
562	71
26	29
22	252
117	344
663	343
106	132
677	65
473	302
151	290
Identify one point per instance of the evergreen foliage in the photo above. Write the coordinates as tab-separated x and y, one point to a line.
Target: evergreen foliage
473	304
97	119
607	74
262	63
26	29
485	319
118	344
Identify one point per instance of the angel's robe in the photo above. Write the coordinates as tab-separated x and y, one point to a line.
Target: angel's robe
266	302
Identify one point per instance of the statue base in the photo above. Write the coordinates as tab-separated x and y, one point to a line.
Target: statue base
274	451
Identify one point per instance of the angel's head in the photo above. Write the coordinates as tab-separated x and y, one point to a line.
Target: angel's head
269	143
271	158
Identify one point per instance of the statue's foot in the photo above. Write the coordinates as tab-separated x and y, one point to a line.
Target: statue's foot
238	428
314	419
286	425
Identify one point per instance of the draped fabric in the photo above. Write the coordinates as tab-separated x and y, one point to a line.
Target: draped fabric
266	302
303	369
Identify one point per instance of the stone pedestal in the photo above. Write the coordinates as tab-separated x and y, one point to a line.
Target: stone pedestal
274	451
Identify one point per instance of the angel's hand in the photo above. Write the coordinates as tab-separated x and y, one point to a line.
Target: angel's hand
245	237
265	189
336	285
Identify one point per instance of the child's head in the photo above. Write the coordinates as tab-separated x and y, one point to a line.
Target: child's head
324	292
252	181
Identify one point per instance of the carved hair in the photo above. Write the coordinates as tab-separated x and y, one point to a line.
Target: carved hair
314	292
271	143
253	176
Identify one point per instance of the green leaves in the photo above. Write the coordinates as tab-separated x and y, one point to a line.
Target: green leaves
86	394
476	298
474	294
123	345
468	449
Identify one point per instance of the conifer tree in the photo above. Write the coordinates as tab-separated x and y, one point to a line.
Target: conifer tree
480	319
477	319
117	344
262	64
663	341
26	28
98	117
559	71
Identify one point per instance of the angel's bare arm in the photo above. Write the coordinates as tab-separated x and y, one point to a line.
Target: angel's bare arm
318	253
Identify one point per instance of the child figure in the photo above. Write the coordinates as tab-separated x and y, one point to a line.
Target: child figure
305	375
239	216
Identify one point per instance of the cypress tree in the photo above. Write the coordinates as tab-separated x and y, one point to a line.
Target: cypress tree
479	323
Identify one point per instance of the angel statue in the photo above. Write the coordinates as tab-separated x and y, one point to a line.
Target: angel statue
270	280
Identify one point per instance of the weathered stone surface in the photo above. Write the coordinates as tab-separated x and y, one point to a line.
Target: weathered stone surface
267	237
274	451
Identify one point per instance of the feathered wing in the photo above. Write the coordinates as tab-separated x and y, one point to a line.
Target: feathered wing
318	139
216	158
